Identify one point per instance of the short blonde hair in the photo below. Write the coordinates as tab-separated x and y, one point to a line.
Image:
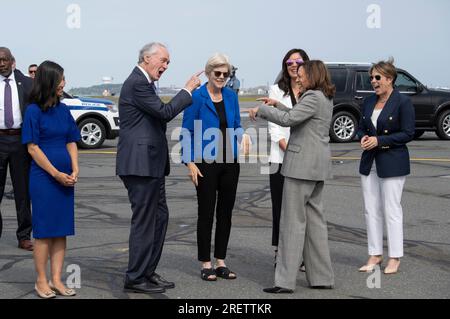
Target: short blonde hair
217	60
386	68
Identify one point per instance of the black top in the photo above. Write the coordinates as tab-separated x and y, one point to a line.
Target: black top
220	109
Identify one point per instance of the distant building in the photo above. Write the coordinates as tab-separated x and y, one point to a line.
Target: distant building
107	79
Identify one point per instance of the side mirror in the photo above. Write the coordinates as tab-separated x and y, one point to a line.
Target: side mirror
419	88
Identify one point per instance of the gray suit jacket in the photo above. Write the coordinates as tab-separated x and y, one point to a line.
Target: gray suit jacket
308	153
142	149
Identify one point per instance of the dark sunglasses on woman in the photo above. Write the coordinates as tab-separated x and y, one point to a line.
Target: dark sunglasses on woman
217	74
376	77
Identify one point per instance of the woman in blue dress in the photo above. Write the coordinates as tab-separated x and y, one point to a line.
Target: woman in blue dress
51	134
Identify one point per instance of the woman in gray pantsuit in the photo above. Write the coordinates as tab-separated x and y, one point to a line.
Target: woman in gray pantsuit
306	165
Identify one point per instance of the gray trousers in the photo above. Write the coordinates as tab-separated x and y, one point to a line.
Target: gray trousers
303	229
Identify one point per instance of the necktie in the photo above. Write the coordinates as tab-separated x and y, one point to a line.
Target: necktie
9	119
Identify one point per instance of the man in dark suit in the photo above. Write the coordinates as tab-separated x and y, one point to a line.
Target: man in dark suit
14	91
143	163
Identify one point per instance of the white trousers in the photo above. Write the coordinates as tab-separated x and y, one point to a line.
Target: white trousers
382	197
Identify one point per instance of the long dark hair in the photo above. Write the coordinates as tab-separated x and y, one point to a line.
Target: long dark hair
45	85
284	83
319	77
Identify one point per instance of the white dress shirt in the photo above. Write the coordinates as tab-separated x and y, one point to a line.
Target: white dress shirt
276	131
145	73
15	102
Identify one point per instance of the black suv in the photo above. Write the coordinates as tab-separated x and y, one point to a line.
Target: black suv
353	85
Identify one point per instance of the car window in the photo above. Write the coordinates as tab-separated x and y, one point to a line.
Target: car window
363	81
67	95
405	84
339	79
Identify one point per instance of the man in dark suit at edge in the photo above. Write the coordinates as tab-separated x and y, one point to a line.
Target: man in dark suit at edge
143	162
14	91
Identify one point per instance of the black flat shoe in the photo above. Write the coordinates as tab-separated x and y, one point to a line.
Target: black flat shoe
143	288
278	290
160	281
322	287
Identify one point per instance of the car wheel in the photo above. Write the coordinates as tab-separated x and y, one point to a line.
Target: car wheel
92	132
443	127
418	134
343	127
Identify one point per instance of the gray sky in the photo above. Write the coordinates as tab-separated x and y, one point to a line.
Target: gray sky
255	34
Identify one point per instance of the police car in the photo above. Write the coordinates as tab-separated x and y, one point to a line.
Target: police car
97	119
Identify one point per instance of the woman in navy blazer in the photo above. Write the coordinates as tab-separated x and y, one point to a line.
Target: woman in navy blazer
386	125
211	131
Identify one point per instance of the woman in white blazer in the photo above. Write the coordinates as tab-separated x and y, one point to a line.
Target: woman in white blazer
286	90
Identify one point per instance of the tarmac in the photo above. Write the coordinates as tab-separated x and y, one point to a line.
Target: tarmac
99	251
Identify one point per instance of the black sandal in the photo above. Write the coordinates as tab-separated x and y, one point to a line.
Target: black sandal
225	273
206	273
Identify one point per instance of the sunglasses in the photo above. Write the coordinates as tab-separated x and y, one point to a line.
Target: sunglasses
376	77
217	74
291	62
32	71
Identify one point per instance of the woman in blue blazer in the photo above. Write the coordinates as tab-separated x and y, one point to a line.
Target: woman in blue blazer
211	130
387	124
